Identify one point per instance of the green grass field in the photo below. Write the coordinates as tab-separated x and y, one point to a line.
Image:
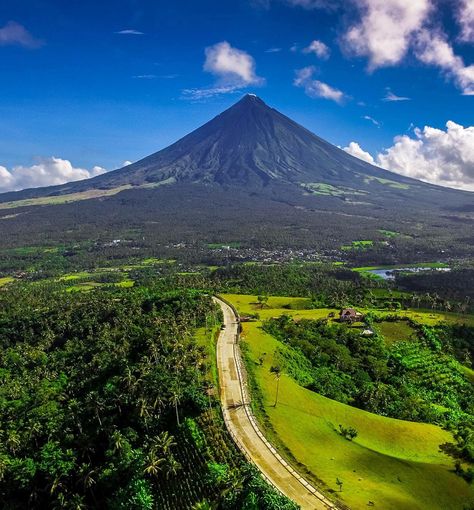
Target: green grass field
299	308
5	280
395	331
394	464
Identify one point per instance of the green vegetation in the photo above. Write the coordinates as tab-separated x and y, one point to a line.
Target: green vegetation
5	280
395	331
358	245
321	188
389	233
388	182
120	356
64	199
392	463
106	401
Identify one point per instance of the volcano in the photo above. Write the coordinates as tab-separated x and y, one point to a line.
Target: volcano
254	177
250	145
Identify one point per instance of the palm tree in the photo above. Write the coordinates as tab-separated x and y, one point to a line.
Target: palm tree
154	463
175	399
172	466
276	370
164	442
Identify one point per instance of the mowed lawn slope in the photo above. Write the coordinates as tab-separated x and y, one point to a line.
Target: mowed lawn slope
392	463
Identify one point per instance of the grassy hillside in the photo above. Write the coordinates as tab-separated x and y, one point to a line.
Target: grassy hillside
392	463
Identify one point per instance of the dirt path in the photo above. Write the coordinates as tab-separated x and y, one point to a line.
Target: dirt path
243	427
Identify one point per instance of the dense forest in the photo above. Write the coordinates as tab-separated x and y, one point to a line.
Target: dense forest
104	404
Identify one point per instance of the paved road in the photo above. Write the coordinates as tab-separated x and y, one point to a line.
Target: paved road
243	427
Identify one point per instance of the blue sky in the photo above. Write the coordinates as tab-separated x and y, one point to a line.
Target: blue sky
75	88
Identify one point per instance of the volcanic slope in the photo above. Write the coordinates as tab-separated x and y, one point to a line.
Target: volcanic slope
248	163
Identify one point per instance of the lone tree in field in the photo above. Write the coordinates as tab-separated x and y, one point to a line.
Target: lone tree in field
276	370
262	300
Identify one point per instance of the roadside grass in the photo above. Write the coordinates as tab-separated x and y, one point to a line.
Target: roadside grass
392	463
207	338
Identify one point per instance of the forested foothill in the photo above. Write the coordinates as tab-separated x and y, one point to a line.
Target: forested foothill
108	394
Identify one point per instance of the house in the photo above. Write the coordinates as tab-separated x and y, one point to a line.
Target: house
350	315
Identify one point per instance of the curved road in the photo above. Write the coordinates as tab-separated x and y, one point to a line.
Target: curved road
243	427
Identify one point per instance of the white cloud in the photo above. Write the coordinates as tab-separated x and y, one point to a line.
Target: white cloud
273	50
465	18
130	32
47	172
386	29
235	69
354	149
444	157
318	48
316	88
390	96
144	77
371	119
432	48
15	34
126	163
231	64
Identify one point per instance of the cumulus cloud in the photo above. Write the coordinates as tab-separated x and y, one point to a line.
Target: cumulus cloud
15	34
316	88
444	157
354	149
47	172
386	29
318	48
231	64
390	97
432	48
234	69
465	18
